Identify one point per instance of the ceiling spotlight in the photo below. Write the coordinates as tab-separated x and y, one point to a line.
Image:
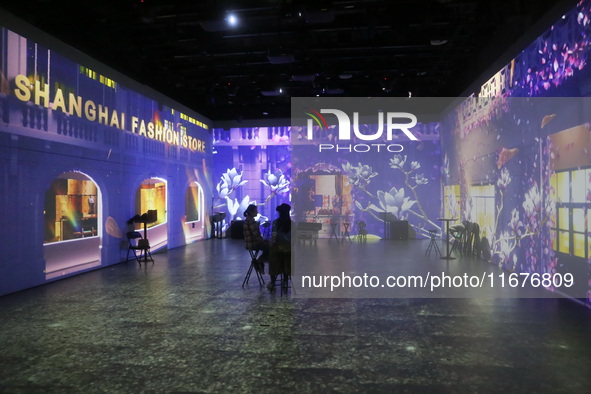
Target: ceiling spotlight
232	20
280	90
438	42
303	77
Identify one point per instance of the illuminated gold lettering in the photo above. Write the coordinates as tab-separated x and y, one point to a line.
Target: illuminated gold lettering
134	124
90	110
75	105
172	137
143	128
122	124
114	119
184	140
22	91
58	101
159	135
42	94
103	114
150	130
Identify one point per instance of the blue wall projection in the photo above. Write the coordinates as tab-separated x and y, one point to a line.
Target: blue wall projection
517	159
82	152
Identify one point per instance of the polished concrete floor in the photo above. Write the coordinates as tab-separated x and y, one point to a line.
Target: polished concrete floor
185	324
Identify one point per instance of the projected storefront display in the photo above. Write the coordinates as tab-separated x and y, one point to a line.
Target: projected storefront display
71	208
151	196
73	222
87	149
151	205
194	222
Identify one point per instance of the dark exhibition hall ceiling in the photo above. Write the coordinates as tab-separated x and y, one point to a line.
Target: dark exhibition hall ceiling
280	49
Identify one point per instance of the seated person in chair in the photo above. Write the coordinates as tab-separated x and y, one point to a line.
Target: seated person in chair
280	258
253	238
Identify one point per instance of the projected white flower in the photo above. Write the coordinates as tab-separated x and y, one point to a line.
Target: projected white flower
420	179
532	203
230	181
359	175
515	224
276	182
504	179
236	208
398	161
393	202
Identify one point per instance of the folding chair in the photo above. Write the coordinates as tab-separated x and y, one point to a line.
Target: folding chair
433	244
139	246
284	279
361	231
254	255
280	267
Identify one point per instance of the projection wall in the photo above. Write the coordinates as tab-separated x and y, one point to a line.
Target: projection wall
252	165
82	152
517	159
258	165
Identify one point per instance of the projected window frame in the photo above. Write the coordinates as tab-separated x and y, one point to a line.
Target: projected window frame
71	210
571	229
483	207
193	203
151	195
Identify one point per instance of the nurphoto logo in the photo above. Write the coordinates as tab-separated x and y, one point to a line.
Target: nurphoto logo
399	121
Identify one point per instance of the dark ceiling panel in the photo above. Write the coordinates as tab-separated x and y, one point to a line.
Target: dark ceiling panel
186	50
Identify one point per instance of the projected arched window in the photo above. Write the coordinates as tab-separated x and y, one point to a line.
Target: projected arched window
150	197
71	208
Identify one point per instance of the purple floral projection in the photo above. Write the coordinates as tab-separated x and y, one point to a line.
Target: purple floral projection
371	188
532	155
251	166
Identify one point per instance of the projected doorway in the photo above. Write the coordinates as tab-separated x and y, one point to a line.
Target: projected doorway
152	196
194	223
72	224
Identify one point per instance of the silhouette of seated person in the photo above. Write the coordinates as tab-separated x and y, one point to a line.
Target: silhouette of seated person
280	256
253	237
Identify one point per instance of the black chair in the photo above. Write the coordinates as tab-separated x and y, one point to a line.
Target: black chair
254	255
458	234
433	244
139	247
476	244
284	279
468	238
335	224
361	231
279	267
